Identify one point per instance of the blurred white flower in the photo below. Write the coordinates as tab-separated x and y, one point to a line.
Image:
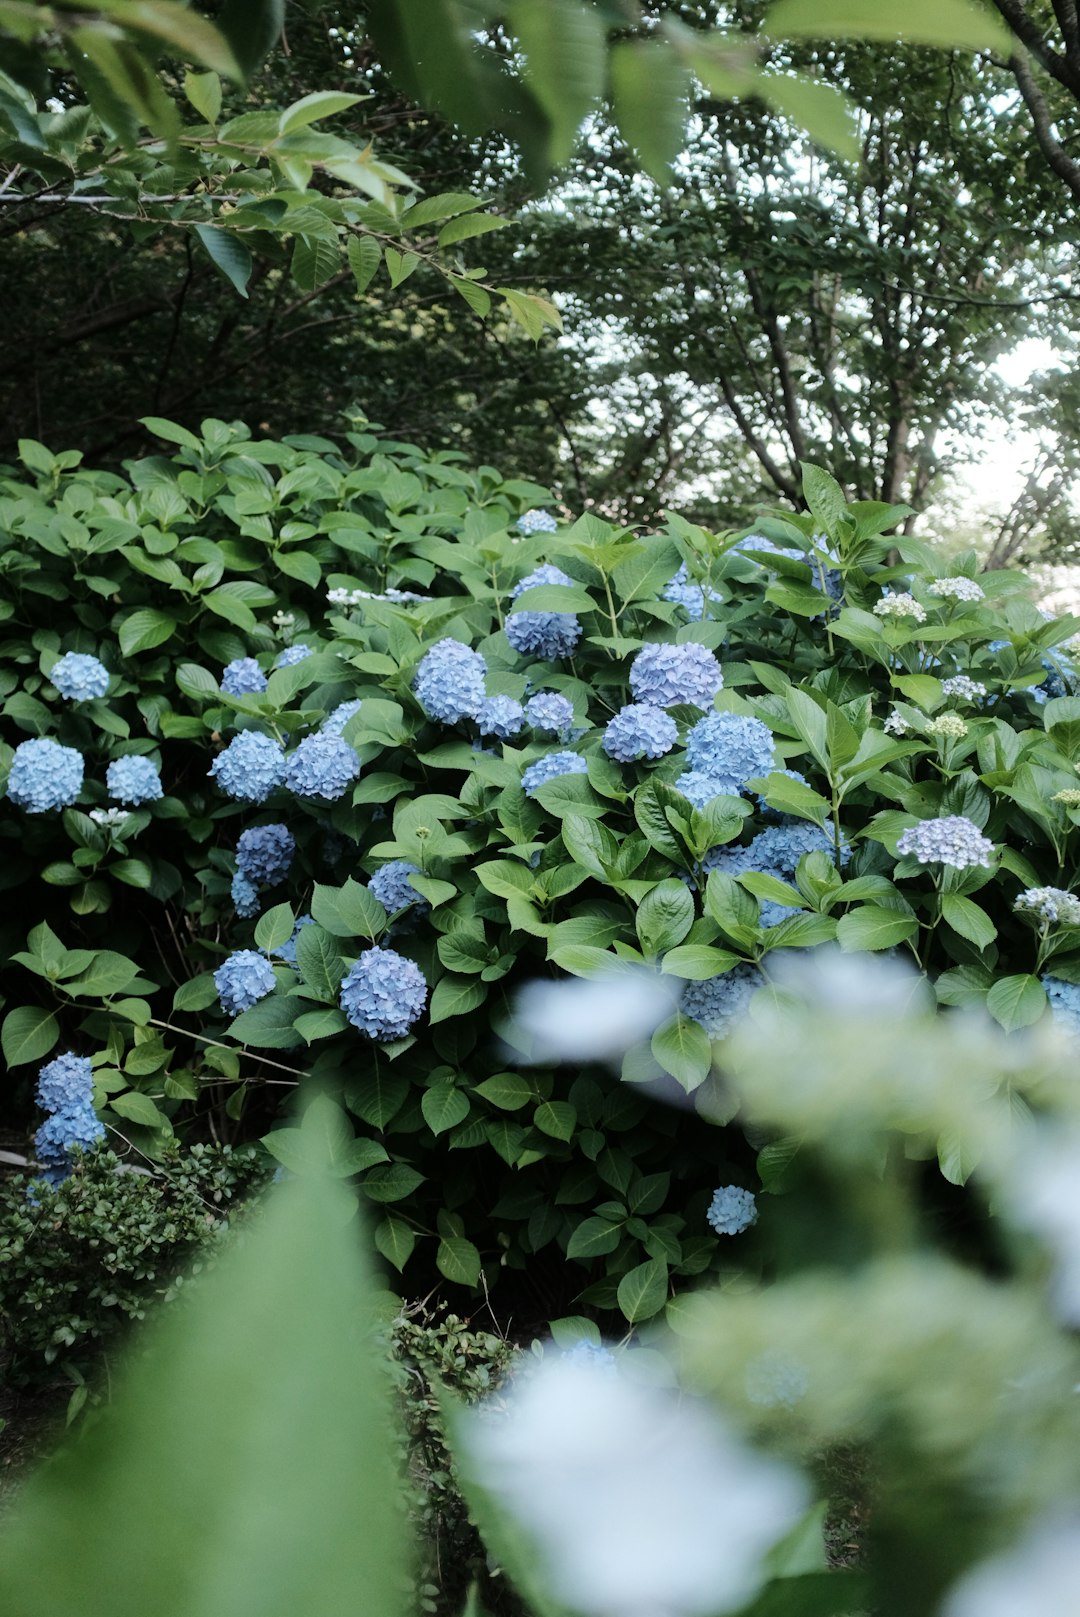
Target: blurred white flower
1039	1577
1039	1184
596	1019
109	818
640	1504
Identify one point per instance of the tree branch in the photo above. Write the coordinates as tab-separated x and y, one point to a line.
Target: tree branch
1029	35
1059	160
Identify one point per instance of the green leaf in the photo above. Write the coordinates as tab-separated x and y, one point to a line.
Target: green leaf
1016	1001
268	1025
391	1182
187	1448
311	108
395	1240
643	1292
464	229
320	1024
593	1238
507	1090
196	994
650	94
456	996
827	115
950	23
458	1260
253	28
873	927
443	1106
664	916
565	52
139	1108
349	911
365	256
109	973
145	629
377	1096
228	255
203	90
556	1118
683	1049
811	723
28	1034
274	927
319	962
968	919
697	962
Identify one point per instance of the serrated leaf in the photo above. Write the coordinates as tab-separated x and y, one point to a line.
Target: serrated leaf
872	927
28	1034
396	1241
458	1260
365	256
682	1048
1016	1001
274	927
950	23
643	1292
444	1106
556	1118
142	630
650	94
228	255
594	1238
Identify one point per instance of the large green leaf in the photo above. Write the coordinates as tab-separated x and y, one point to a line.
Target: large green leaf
949	23
650	90
565	50
643	1292
28	1034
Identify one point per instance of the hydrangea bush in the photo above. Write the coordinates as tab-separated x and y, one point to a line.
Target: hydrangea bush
574	746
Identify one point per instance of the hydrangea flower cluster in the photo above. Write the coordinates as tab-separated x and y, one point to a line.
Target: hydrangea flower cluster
134	779
287	951
718	1002
291	656
639	730
593	1354
549	635
501	717
691	596
264	853
699	788
44	775
757	544
963	686
109	819
78	677
65	1089
250	767
245	896
900	605
948	725
776	851
896	724
1052	906
1069	798
549	711
345	597
774	1380
390	885
449	682
1064	1003
732	1210
323	765
665	676
536	521
336	720
550	767
383	994
243	677
950	840
729	748
764	807
957	589
242	980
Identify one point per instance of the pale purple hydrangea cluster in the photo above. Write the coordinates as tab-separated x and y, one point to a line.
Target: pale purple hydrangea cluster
390	885
291	656
44	776
670	676
65	1089
1051	906
550	712
550	767
1064	1003
730	749
250	767
243	677
950	840
323	766
548	635
957	589
639	730
242	980
536	521
717	1003
79	677
732	1210
245	896
264	853
449	682
501	717
134	779
383	994
693	597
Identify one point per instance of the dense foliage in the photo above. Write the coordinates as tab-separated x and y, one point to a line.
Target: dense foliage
440	843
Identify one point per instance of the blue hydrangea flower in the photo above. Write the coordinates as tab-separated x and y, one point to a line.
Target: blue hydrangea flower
699	788
592	1354
732	1210
323	765
1064	1003
250	767
500	716
950	840
265	852
778	814
390	885
243	677
688	594
536	521
1050	906
549	635
54	1141
776	851
547	710
78	677
550	767
718	1002
665	676
245	896
756	544
287	952
336	720
44	775
65	1083
449	682
291	655
383	994
639	730
242	980
134	779
730	747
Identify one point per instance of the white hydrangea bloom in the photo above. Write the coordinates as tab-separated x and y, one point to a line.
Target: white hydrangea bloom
901	605
641	1504
1040	1575
109	818
598	1019
1040	1192
896	724
963	686
949	725
957	589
